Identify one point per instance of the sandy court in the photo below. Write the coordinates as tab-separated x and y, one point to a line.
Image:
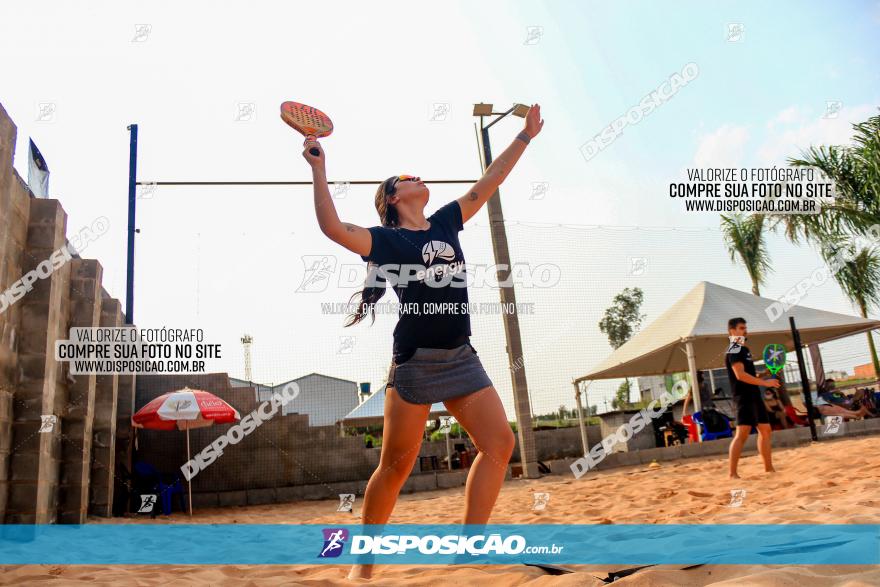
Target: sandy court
833	482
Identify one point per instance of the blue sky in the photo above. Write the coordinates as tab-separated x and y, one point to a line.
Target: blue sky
229	260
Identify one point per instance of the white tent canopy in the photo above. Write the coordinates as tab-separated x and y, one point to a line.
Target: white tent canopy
372	411
700	317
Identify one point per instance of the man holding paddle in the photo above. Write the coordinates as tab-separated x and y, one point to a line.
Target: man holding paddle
747	396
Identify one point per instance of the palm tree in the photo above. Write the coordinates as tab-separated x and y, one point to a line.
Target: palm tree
744	237
857	270
855	171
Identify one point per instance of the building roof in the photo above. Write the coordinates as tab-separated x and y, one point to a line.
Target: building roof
316	375
372	411
264	386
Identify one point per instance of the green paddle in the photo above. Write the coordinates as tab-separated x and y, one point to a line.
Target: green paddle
774	358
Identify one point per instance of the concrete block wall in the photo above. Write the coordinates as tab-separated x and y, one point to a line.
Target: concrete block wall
103	462
286	459
14	212
42	388
45	471
549	444
124	443
79	413
5	445
282	452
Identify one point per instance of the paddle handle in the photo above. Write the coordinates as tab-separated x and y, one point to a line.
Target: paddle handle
314	150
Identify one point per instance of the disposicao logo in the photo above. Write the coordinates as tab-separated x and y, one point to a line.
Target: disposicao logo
334	540
403	544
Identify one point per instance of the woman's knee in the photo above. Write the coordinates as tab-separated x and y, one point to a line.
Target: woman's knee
395	473
397	466
499	445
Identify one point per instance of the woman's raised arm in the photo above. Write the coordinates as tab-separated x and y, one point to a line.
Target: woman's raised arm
501	167
354	238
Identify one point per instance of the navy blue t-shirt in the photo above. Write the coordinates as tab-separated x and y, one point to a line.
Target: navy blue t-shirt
741	354
430	316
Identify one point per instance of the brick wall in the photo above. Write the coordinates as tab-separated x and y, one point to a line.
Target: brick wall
45	470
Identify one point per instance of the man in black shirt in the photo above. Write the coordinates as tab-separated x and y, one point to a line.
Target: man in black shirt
747	396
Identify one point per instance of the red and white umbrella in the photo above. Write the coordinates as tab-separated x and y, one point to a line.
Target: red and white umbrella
183	410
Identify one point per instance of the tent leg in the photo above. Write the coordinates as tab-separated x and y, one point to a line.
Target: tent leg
448	447
580	407
695	389
189	485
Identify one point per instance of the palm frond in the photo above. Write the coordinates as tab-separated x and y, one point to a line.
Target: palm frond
744	236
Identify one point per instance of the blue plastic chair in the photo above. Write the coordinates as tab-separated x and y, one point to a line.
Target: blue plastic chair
706	435
163	490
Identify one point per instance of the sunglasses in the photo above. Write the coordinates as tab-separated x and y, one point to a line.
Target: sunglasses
391	186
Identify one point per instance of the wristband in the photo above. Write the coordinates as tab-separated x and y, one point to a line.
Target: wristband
524	137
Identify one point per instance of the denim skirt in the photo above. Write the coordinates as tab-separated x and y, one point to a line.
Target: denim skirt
436	375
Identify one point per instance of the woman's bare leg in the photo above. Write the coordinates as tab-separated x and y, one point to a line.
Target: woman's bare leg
482	415
401	440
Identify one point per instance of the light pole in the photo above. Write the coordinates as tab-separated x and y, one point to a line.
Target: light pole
527	452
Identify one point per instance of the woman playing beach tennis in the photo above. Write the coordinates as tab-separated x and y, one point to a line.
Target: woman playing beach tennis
433	360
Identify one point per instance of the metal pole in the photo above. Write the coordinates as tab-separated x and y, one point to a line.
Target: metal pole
279	183
527	451
805	382
695	388
577	397
132	208
189	482
448	446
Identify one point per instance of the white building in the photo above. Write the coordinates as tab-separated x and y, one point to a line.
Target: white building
324	399
233	382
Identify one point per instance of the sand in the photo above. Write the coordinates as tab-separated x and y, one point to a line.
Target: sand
813	485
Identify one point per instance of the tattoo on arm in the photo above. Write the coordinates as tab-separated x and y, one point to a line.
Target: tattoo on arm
473	196
502	170
349	227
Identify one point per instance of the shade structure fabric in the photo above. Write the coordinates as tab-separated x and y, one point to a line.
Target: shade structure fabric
372	411
701	315
184	410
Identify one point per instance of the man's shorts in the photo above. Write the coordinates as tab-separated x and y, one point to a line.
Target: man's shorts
750	410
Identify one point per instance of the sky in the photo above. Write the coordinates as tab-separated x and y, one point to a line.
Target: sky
203	81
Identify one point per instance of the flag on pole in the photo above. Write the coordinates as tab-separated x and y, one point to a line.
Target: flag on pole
38	172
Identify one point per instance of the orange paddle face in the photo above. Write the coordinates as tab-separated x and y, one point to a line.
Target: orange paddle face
309	121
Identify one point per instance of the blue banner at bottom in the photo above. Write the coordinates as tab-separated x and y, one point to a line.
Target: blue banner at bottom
310	544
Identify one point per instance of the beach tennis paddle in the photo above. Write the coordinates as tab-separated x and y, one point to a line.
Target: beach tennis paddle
774	358
311	122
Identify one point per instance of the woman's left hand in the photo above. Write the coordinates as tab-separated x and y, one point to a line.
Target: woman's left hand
534	123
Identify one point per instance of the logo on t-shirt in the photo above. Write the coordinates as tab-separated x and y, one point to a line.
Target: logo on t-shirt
437	250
